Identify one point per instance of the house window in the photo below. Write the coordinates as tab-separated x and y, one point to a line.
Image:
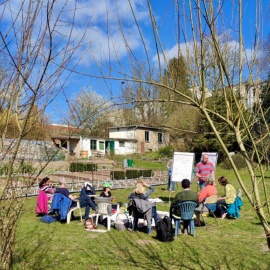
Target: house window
93	145
121	144
160	137
101	146
147	136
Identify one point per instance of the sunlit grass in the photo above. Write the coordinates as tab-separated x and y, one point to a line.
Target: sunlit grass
234	244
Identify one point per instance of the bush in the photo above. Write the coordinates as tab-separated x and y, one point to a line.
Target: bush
20	168
118	175
131	174
26	168
152	155
166	151
82	167
239	161
4	169
146	173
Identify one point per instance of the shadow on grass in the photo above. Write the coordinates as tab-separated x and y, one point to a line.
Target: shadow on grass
51	248
34	255
61	246
149	253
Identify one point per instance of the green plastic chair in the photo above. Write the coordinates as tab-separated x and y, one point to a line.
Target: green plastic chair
187	212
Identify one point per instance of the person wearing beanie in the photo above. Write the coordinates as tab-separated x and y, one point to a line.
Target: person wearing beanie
106	190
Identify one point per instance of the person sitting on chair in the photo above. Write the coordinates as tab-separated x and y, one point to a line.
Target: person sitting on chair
44	196
106	190
85	199
140	193
183	196
63	190
106	193
206	192
62	200
47	187
228	198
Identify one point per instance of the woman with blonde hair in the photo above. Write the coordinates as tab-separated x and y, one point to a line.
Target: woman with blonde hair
141	193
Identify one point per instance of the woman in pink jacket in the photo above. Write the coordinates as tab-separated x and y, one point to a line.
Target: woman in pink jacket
209	190
44	196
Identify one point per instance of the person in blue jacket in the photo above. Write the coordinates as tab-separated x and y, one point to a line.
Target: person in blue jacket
63	190
63	200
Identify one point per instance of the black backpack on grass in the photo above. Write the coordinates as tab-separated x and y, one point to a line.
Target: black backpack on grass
164	230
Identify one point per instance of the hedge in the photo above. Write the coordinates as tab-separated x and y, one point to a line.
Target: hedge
130	174
118	175
82	167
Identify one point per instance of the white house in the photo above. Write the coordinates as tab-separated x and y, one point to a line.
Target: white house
122	140
138	139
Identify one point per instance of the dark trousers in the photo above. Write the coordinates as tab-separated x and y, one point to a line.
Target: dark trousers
220	208
155	214
88	203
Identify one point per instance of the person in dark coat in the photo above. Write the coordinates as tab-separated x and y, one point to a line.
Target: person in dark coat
183	196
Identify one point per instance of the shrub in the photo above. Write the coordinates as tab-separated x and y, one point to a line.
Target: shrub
239	161
82	167
152	155
166	151
4	169
146	173
26	168
131	174
118	175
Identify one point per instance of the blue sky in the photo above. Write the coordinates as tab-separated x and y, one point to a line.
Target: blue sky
103	48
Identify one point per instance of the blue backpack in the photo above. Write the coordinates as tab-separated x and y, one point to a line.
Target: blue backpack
48	219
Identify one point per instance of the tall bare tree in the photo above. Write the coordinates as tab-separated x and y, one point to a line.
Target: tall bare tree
217	58
38	46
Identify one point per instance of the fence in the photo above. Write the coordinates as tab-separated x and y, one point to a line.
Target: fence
75	183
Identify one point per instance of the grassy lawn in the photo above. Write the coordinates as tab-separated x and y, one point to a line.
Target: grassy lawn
234	244
139	162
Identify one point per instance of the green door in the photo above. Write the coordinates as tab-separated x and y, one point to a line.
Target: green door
112	147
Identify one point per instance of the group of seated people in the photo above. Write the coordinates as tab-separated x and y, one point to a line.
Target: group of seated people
221	206
140	196
48	192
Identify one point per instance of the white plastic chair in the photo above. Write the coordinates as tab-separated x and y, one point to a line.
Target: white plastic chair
103	211
73	209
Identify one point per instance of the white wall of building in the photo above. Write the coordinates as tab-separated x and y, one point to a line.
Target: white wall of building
85	144
122	133
129	148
